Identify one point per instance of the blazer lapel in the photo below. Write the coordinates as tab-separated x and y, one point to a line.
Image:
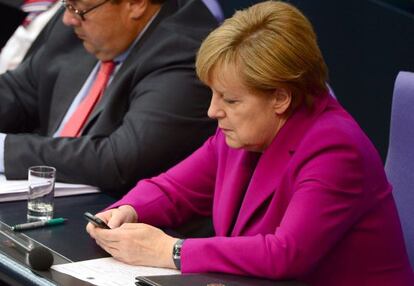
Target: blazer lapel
274	161
234	184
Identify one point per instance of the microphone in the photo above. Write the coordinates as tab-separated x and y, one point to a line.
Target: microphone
40	258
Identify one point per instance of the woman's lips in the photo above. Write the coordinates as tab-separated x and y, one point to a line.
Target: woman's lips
225	130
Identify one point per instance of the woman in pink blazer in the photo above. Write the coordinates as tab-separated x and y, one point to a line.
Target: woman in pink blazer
295	188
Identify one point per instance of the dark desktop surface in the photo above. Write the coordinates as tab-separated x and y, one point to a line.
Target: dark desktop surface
69	239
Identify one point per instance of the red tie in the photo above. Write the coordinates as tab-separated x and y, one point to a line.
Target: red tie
76	122
34	8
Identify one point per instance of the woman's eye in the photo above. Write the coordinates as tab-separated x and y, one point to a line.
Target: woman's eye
229	101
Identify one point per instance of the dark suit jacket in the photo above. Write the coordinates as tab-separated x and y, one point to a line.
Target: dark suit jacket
152	115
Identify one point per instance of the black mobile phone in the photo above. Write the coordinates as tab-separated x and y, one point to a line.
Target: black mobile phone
96	220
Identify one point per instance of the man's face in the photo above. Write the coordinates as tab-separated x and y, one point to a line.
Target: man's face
106	31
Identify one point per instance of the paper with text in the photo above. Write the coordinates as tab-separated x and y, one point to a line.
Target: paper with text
109	272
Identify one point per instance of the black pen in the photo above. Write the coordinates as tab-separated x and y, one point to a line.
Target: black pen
37	224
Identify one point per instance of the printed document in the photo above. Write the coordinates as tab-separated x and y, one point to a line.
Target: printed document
109	272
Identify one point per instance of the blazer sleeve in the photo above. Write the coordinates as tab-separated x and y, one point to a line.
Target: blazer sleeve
19	89
329	197
19	97
174	197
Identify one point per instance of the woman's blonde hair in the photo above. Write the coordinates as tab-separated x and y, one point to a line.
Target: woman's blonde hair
272	45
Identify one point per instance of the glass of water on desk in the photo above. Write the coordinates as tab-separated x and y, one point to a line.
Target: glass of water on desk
41	193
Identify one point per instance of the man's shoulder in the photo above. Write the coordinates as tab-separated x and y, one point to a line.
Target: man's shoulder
191	18
173	37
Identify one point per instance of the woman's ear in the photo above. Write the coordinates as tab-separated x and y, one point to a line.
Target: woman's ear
282	100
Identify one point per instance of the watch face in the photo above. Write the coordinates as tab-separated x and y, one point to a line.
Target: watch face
177	250
177	253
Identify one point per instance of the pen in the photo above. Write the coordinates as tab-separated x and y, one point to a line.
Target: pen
37	224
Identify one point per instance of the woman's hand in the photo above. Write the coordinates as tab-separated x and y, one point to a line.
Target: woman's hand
130	242
115	217
137	244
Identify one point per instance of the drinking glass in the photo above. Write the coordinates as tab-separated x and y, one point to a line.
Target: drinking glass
41	193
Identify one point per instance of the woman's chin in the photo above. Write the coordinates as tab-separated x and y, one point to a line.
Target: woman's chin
233	143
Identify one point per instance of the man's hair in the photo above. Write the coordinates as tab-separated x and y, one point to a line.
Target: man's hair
272	45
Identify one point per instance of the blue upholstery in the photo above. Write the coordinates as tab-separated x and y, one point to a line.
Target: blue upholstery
400	159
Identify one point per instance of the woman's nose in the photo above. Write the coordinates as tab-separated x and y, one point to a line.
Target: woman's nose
214	110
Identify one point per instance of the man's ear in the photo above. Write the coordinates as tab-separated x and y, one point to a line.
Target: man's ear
137	8
282	100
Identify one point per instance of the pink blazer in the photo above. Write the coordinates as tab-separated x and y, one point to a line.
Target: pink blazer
315	206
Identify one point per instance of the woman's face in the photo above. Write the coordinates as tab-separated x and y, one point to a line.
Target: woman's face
249	121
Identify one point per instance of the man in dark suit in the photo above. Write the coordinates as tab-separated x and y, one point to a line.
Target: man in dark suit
152	112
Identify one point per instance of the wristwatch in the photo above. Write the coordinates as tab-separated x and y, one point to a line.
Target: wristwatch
176	254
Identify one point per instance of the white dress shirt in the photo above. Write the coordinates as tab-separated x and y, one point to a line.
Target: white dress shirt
19	43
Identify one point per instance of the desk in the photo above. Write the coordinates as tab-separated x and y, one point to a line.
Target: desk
63	238
70	240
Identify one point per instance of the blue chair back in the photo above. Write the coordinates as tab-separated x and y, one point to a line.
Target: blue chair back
399	164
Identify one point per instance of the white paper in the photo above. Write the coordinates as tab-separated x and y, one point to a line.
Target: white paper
109	272
14	190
